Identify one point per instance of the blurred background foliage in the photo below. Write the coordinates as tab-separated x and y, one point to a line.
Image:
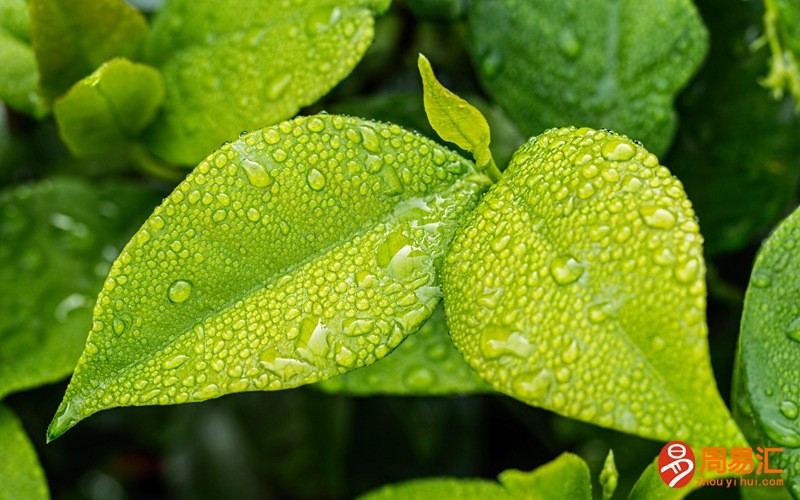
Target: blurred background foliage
736	149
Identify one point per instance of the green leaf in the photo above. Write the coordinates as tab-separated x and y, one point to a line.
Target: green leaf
248	65
741	178
456	120
577	286
21	475
565	477
426	363
73	37
609	476
420	489
291	255
57	241
19	84
767	387
615	64
782	34
650	486
109	108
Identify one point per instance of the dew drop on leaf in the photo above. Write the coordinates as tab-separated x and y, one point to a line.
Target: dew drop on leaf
565	269
179	291
617	150
316	179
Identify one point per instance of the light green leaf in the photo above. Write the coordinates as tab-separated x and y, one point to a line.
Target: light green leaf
73	37
248	65
21	475
57	241
605	64
609	476
19	84
782	34
109	108
565	477
426	363
650	486
456	120
291	255
577	285
767	386
424	489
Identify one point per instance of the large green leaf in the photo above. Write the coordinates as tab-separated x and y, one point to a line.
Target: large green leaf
577	285
426	363
296	253
736	151
21	475
249	64
19	83
73	37
767	389
605	64
109	108
57	241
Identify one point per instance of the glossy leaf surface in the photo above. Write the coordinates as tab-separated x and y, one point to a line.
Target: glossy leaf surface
107	109
766	392
57	241
21	475
19	83
71	38
293	254
615	64
248	65
577	285
426	363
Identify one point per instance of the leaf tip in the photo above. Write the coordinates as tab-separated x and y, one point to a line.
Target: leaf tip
65	418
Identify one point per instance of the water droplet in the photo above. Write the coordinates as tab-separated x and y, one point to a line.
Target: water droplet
762	280
618	150
789	410
569	43
658	218
175	361
256	174
315	179
253	215
71	303
780	433
793	330
320	20
279	155
118	325
686	272
493	340
277	86
491	63
271	136
598	313
419	378
316	124
370	139
533	386
565	269
179	291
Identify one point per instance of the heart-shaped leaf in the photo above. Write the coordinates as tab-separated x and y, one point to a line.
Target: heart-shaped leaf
57	241
291	255
605	64
21	475
109	108
426	363
249	64
767	388
577	285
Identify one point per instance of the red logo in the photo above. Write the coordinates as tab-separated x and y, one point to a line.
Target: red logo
676	464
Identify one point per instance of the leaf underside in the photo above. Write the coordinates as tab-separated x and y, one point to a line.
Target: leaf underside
291	255
603	318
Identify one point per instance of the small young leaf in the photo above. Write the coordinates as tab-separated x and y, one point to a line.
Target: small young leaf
609	476
73	37
565	477
426	363
19	83
21	475
291	255
605	64
782	26
110	107
420	489
650	486
577	285
249	64
456	120
767	388
57	241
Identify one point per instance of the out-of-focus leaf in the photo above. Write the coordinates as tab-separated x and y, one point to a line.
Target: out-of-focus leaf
614	64
57	241
244	64
650	486
736	152
109	108
609	476
296	253
565	477
426	363
767	388
782	34
19	81
71	38
420	489
577	285
21	476
438	10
